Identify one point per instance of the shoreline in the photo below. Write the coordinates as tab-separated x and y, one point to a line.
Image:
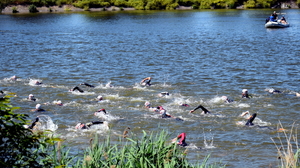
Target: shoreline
24	9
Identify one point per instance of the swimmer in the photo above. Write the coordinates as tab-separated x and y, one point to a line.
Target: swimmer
162	94
250	118
226	100
37	82
99	98
59	103
88	125
31	97
245	93
273	91
297	94
185	105
38	108
146	81
148	106
34	123
204	110
103	111
77	88
86	84
181	141
13	78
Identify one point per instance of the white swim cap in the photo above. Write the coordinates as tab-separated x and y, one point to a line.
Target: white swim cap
58	102
99	97
224	97
38	106
147	103
271	90
31	95
244	90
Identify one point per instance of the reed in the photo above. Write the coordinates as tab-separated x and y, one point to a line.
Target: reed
287	147
150	151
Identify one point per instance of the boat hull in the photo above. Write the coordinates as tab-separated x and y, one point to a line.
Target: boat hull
276	25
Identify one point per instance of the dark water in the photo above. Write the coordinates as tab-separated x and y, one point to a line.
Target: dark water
196	56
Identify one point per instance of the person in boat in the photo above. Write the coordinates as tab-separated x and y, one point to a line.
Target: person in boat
245	93
146	81
226	99
77	88
38	108
86	84
282	20
272	19
274	14
31	97
204	110
88	125
180	139
101	111
273	91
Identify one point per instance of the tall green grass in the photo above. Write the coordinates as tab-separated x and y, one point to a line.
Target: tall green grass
151	151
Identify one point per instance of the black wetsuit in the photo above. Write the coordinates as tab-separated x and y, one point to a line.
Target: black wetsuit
86	84
251	119
34	123
203	109
77	88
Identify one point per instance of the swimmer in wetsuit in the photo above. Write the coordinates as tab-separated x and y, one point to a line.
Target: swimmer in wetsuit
88	125
273	91
31	97
181	141
250	119
245	93
86	84
38	108
226	100
205	111
100	111
146	81
77	88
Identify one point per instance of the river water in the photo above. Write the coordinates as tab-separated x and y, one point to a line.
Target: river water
197	56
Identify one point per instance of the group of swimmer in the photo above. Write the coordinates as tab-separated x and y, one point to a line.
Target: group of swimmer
159	109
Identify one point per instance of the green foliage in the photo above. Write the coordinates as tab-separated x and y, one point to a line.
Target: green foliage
149	151
18	145
15	10
259	3
32	9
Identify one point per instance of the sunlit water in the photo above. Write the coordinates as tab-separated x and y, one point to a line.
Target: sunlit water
196	56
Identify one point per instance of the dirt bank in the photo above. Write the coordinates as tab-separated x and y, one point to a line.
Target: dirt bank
57	9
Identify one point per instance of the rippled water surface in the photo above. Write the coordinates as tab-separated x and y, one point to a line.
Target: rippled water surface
196	56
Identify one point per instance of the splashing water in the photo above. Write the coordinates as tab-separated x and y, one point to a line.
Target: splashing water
208	141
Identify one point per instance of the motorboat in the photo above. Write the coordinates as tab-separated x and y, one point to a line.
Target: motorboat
277	24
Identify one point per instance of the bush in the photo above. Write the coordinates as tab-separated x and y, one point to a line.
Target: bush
18	145
32	9
14	9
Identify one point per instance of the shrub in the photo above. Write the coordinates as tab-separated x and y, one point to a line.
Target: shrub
14	9
19	147
32	9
